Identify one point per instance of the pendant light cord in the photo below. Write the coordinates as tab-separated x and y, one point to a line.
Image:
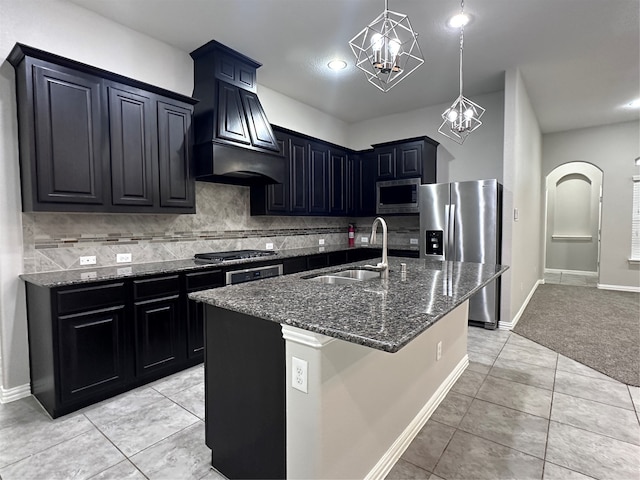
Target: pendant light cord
461	43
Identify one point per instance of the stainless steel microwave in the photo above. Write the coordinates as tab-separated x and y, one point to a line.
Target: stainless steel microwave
397	196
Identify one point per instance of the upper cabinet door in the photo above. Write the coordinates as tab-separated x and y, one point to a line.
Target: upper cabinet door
132	146
386	167
298	175
318	179
262	135
278	193
232	124
68	137
339	180
177	187
409	160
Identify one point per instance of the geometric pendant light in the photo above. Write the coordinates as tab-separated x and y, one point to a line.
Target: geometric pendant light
463	116
387	49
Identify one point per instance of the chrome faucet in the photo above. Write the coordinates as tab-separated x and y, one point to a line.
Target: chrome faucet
383	266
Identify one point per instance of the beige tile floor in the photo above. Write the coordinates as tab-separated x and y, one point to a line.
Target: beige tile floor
519	411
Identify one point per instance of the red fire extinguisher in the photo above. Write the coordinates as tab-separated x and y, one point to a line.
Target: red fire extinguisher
352	235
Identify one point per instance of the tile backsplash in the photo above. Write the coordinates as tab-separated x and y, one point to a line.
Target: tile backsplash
55	241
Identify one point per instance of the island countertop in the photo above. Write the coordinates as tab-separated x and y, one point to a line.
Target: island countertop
377	313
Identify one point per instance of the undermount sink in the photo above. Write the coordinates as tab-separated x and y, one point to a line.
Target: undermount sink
357	274
345	277
332	279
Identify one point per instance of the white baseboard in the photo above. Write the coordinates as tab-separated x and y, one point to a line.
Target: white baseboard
509	325
16	393
572	272
389	459
619	288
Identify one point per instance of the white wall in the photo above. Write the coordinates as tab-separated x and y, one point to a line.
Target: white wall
288	113
480	156
522	160
612	148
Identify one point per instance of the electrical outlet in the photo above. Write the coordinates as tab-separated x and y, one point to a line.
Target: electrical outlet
413	241
321	241
269	246
88	260
364	239
439	350
123	258
299	374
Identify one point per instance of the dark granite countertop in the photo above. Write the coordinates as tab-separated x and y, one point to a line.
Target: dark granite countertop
87	275
381	314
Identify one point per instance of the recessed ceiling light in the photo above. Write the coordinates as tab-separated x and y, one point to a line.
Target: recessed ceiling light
459	20
634	104
337	65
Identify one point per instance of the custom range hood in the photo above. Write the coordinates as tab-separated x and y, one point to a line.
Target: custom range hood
234	141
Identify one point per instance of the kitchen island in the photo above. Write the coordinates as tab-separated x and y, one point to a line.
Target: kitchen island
312	380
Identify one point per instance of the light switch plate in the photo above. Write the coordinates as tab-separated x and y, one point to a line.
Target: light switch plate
413	241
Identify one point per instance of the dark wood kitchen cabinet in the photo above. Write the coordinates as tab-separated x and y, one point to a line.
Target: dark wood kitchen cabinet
195	310
362	185
410	158
77	344
318	155
317	180
61	156
340	182
94	141
132	149
177	186
157	318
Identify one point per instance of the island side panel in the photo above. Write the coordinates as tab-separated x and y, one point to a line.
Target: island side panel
364	406
244	395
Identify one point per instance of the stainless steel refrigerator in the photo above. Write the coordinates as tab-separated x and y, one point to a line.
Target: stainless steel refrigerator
462	222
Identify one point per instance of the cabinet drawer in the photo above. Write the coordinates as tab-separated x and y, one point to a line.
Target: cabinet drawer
204	280
90	298
156	287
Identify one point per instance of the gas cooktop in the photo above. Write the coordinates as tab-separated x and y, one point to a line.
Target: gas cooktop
233	255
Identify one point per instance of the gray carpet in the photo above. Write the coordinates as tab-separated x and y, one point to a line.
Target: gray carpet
599	328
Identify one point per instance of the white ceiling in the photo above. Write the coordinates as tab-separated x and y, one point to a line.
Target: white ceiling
580	59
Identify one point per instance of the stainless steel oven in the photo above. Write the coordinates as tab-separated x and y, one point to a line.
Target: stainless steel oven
250	274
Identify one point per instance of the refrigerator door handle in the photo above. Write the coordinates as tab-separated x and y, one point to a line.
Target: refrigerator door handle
451	242
445	240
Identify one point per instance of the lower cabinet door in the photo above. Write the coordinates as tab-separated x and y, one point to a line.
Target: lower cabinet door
91	352
195	329
157	339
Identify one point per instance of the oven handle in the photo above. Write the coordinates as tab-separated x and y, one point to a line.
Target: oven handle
229	280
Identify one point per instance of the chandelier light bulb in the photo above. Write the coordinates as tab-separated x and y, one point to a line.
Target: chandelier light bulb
376	42
452	115
394	47
468	113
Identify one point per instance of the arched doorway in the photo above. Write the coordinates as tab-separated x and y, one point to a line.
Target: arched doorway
573	210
